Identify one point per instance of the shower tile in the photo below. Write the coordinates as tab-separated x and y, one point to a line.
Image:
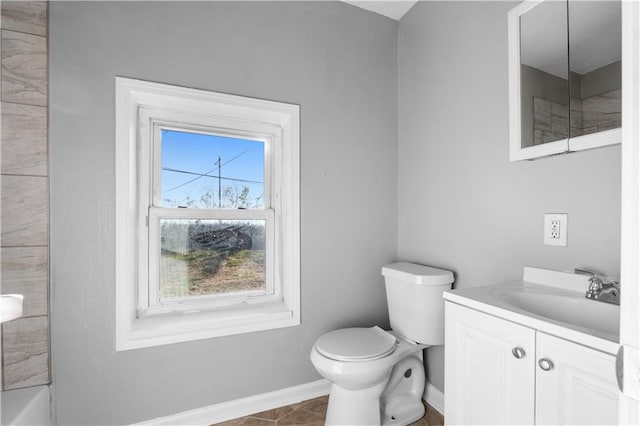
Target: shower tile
25	345
24	68
559	119
25	270
25	16
24	139
603	111
24	211
541	114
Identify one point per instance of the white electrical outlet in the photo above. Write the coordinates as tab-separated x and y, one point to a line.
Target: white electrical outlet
555	229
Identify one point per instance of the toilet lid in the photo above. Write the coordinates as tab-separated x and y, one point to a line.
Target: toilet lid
356	344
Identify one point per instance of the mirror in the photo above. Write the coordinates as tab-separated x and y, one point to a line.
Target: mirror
564	76
544	82
595	46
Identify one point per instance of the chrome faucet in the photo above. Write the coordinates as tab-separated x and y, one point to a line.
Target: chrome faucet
602	288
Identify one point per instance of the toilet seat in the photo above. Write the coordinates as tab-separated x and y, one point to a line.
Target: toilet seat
356	344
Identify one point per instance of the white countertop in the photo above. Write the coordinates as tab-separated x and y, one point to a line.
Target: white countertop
491	300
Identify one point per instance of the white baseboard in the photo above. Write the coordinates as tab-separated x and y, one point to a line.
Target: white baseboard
229	410
434	397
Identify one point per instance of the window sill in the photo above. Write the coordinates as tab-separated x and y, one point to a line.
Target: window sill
184	327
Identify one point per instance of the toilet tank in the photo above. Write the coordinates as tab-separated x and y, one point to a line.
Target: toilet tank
415	303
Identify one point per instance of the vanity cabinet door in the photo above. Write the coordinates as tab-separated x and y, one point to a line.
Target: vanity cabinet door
575	385
489	369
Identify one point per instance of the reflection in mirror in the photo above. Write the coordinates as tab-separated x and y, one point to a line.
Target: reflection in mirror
595	51
544	86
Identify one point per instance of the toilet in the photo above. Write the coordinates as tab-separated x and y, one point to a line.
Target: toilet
377	377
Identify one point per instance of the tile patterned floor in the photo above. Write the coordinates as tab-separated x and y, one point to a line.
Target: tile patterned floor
311	413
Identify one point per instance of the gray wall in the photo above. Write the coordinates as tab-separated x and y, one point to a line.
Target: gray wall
339	64
461	204
601	80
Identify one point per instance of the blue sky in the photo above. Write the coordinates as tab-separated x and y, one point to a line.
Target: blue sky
192	154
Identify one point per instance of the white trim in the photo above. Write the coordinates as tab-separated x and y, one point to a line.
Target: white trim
434	397
242	407
245	406
516	151
596	140
537	151
629	405
139	104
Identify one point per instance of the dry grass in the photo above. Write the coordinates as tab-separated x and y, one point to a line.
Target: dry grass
211	272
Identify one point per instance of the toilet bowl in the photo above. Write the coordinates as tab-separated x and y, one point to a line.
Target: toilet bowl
401	400
377	377
363	364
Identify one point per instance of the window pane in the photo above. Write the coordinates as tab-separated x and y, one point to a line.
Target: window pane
208	257
208	171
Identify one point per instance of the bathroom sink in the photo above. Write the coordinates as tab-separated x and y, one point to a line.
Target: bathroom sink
566	307
10	307
551	302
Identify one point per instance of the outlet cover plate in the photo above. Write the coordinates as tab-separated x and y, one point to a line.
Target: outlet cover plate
555	229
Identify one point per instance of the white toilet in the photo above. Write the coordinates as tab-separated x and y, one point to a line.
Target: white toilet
377	377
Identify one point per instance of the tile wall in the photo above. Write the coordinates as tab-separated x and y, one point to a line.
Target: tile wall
551	120
24	207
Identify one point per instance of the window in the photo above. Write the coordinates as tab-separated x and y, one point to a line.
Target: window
207	214
210	236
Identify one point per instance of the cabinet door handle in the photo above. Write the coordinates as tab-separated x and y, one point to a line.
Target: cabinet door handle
518	352
620	368
545	364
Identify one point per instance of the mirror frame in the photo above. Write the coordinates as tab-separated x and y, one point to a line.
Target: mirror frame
562	146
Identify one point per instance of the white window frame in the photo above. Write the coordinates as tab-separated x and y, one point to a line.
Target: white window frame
152	120
142	110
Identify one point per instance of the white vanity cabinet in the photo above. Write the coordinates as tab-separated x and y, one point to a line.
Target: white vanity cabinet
579	388
484	382
499	372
